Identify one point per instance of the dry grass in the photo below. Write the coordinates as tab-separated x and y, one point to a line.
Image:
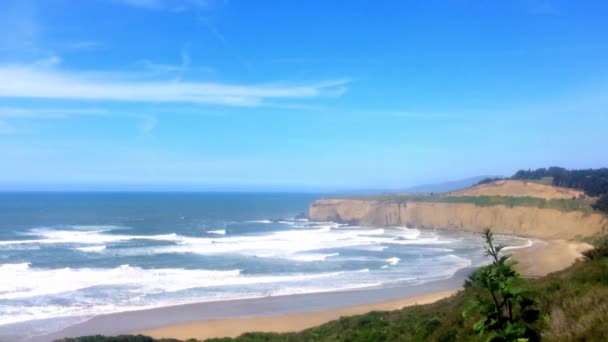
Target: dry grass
580	318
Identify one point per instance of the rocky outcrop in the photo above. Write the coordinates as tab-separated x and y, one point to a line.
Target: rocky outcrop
521	221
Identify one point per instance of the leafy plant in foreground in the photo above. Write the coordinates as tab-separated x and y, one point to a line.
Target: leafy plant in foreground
504	310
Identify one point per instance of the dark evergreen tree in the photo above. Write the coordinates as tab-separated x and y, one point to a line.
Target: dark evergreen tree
602	203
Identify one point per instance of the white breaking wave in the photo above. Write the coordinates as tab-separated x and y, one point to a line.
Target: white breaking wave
38	282
133	287
295	290
301	244
280	244
379	231
136	301
87	236
374	248
312	257
393	261
91	248
20	282
529	243
260	221
440	272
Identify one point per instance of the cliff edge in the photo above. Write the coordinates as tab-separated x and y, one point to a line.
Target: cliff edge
547	218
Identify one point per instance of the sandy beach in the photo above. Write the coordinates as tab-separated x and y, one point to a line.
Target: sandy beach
233	327
545	257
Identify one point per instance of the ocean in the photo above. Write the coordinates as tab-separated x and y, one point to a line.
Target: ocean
66	257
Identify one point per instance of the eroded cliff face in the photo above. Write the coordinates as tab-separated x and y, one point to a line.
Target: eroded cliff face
521	221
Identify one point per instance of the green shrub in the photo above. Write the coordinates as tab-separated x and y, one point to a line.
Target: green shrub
504	310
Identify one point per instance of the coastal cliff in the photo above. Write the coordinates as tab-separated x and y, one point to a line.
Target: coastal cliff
517	220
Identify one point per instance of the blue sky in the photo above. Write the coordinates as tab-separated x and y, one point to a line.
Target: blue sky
322	95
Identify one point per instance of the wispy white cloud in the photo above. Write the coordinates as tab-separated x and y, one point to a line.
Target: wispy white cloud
32	81
186	59
171	5
6	128
34	113
145	122
160	68
20	114
20	24
147	4
147	125
85	45
542	7
184	66
418	115
212	28
47	62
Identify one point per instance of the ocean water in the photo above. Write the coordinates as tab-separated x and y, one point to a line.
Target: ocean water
65	257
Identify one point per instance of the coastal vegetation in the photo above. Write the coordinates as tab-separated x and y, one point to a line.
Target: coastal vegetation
594	182
573	303
502	309
601	204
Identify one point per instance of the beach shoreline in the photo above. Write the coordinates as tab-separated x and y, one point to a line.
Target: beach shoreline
547	256
290	322
298	312
538	259
142	321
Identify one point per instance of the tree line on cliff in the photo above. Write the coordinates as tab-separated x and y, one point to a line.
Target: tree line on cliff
594	182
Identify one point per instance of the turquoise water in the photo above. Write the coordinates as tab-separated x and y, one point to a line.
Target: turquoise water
65	257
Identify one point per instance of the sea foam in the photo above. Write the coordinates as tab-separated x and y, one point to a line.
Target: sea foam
91	248
300	244
315	248
393	261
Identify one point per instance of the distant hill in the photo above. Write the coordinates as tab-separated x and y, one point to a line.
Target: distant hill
520	188
446	186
